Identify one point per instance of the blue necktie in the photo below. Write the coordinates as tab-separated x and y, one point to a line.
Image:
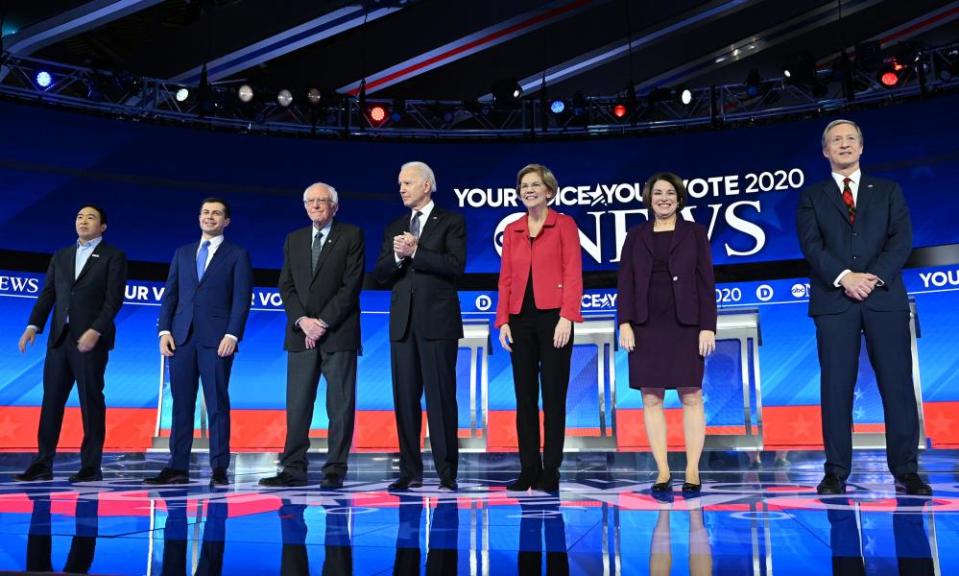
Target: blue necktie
201	259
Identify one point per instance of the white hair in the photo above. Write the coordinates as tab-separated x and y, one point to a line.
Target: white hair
424	170
334	197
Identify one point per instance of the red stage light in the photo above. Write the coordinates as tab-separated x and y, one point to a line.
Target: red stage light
377	114
889	79
620	110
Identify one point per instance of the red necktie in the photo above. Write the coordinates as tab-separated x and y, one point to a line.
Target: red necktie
848	201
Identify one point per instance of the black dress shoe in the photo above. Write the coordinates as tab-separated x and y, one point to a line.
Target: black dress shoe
168	476
525	481
403	483
664	486
219	478
332	482
86	474
34	473
548	481
689	488
282	480
448	485
913	485
831	484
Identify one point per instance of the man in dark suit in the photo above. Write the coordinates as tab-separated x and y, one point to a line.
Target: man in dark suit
84	288
856	235
202	316
423	254
320	283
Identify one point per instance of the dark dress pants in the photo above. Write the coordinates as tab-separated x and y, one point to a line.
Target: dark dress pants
63	366
191	365
302	379
420	363
889	347
536	361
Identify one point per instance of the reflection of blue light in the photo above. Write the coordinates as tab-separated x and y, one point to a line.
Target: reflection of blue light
557	106
44	79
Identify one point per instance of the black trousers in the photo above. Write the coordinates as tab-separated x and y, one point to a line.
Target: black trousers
537	362
63	366
839	338
419	363
303	370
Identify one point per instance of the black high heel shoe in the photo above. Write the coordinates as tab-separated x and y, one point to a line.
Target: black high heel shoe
664	486
524	482
689	488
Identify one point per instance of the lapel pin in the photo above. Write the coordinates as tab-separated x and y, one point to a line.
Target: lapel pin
94	255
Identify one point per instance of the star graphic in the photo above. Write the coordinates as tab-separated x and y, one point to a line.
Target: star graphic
597	196
9	427
803	427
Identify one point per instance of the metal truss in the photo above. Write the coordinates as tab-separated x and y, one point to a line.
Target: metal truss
123	94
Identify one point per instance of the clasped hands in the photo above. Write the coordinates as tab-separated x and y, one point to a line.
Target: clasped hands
404	245
859	285
313	330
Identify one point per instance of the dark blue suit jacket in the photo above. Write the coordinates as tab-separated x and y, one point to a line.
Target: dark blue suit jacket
210	308
879	243
691	268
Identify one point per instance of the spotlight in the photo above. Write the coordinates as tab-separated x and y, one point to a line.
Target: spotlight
377	115
620	110
686	96
44	79
506	91
245	94
557	106
754	83
800	68
313	96
284	98
182	94
891	73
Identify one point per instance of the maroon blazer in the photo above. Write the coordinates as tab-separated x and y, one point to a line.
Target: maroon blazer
557	262
690	265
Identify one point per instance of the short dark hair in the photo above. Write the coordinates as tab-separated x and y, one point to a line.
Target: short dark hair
103	215
673	179
212	199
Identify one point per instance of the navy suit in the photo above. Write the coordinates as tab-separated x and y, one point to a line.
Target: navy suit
879	243
199	313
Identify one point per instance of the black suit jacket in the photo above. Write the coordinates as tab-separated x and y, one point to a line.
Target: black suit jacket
691	268
332	294
427	282
91	301
879	243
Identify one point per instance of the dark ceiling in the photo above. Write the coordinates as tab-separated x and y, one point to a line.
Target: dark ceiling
433	49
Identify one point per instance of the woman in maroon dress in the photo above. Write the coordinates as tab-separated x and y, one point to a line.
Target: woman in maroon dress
667	319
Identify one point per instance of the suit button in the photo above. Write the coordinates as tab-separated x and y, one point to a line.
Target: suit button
675	278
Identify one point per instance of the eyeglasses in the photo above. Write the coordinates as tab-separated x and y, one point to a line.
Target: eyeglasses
323	201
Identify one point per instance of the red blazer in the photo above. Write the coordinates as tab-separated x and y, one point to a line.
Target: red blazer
557	268
690	264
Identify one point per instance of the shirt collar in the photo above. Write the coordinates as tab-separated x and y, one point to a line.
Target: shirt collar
425	211
854	178
215	241
325	230
90	243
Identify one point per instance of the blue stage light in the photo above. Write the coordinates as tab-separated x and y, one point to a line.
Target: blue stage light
557	106
44	79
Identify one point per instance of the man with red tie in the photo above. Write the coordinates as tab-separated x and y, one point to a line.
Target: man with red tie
855	232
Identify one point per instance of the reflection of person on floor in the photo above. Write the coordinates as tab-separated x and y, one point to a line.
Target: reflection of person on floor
338	547
700	552
845	543
175	536
912	543
536	517
442	555
83	545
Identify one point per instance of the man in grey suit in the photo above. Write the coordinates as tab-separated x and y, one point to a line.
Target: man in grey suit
320	283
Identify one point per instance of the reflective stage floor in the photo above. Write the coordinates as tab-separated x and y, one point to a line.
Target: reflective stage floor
753	518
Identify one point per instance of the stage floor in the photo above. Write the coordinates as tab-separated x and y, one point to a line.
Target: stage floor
753	518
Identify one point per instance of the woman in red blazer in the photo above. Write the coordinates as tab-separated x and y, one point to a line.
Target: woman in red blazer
667	319
540	293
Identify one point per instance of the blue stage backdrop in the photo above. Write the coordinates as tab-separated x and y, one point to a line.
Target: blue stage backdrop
743	185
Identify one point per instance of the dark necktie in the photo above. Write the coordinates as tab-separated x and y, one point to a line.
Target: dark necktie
317	248
201	256
415	224
848	200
